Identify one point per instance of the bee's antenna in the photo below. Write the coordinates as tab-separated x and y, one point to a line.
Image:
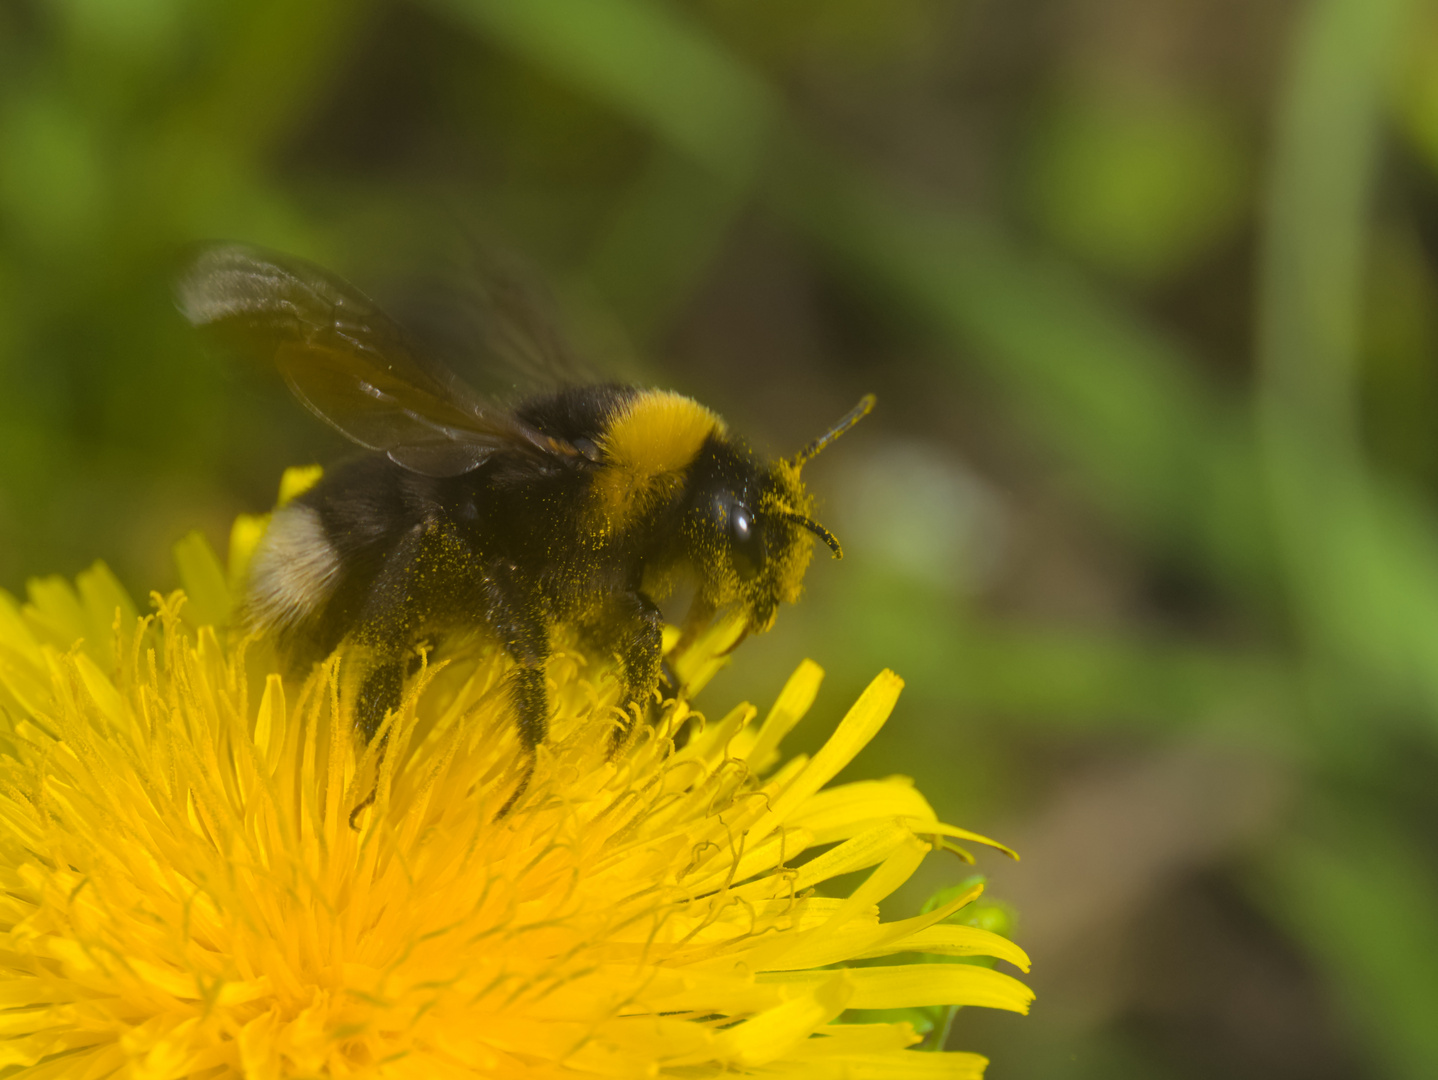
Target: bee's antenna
814	527
852	417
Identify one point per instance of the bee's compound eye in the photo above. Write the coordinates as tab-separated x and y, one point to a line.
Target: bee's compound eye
747	545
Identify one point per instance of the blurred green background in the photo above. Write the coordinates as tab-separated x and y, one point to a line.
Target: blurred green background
1148	292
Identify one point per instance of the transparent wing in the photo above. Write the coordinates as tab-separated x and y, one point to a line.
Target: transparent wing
491	320
350	364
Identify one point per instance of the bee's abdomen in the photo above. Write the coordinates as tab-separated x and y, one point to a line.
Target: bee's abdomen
295	571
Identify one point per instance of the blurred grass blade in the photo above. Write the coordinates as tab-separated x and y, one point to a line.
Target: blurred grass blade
1362	560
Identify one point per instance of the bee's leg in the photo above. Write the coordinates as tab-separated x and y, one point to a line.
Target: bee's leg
531	710
640	643
531	705
379	694
671	689
519	621
387	622
669	684
525	634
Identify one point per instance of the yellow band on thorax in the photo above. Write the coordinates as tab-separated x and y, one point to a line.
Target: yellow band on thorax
658	431
654	438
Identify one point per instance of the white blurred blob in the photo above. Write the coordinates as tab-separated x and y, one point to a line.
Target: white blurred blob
922	512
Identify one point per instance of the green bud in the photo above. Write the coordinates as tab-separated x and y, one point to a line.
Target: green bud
992	915
951	893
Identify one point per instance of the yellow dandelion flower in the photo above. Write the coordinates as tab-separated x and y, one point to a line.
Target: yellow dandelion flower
183	894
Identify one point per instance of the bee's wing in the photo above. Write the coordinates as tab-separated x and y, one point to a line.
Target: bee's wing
349	363
493	322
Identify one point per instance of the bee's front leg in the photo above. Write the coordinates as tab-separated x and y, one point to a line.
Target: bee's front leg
634	629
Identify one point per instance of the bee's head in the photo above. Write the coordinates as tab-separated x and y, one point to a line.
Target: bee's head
748	526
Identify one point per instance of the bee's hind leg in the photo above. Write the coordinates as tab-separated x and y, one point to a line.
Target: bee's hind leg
392	610
380	694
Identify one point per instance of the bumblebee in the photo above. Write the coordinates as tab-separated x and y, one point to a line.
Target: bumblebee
580	506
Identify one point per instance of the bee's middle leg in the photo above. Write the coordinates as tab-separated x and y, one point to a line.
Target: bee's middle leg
518	618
